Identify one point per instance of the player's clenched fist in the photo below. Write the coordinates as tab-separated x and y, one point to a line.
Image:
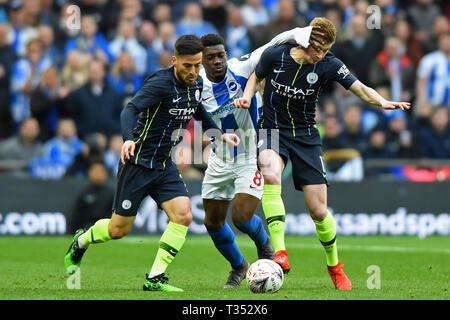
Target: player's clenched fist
231	139
242	103
127	149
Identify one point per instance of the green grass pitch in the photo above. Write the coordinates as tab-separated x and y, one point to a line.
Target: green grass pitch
409	268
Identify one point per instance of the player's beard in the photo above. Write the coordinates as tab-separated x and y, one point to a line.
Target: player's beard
187	79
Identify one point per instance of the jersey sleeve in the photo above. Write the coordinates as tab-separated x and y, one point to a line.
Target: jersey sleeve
265	63
149	95
338	71
246	64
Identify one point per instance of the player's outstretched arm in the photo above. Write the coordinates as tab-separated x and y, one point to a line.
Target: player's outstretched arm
249	92
369	95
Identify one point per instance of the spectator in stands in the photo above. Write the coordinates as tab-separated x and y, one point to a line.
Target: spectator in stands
409	45
435	139
74	73
132	10
215	12
124	77
254	13
360	49
26	74
352	133
58	153
393	70
377	147
96	106
335	16
397	123
166	38
31	12
441	25
165	59
7	59
22	33
287	19
408	146
162	13
90	41
94	201
49	50
421	16
46	101
23	147
237	34
192	22
433	74
147	35
332	138
126	40
112	154
92	151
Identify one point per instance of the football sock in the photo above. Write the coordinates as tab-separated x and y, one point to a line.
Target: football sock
326	232
255	229
171	242
98	233
224	241
275	213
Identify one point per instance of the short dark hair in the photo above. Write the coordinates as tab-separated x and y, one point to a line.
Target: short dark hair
188	44
212	39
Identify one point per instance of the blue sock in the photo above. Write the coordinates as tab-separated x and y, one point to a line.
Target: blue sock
224	241
255	229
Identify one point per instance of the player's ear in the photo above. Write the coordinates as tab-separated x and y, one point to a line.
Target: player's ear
174	60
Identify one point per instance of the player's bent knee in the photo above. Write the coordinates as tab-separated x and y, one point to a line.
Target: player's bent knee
184	218
318	212
213	224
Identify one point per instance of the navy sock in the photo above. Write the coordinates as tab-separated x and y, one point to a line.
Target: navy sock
224	241
255	229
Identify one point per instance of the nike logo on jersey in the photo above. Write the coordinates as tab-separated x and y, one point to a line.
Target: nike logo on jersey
204	99
278	71
176	100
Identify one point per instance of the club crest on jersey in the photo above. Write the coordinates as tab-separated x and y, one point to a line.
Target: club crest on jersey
126	204
197	95
232	86
312	77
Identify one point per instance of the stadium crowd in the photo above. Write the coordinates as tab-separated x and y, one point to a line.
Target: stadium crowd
64	85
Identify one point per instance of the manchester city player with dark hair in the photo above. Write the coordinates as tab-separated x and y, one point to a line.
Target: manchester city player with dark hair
165	104
294	77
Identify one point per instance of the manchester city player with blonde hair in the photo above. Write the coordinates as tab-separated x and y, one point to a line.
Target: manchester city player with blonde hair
294	77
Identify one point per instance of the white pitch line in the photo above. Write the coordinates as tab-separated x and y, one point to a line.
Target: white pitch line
247	244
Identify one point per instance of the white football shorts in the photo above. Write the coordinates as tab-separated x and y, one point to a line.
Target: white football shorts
223	180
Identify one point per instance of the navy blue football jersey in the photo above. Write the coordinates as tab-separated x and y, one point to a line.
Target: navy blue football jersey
292	90
164	107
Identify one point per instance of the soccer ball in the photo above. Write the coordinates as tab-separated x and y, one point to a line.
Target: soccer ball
264	276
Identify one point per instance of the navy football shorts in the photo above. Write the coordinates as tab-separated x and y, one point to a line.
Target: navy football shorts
304	151
136	182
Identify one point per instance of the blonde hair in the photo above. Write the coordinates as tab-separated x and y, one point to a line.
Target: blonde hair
326	27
